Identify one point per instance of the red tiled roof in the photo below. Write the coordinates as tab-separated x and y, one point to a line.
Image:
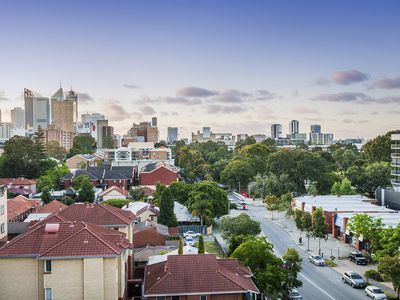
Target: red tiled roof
22	181
5	181
19	205
74	239
149	208
112	188
103	215
52	207
197	274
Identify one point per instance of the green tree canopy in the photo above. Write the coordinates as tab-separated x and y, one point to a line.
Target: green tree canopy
83	144
377	149
256	155
137	194
237	171
292	261
389	267
116	202
319	227
167	216
54	150
180	192
201	245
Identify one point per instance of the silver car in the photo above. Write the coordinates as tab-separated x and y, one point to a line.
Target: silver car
354	279
295	295
375	293
316	260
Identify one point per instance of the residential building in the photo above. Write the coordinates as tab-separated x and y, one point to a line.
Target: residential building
65	260
5	130
294	127
3	213
18	208
113	192
100	137
241	137
51	207
328	138
107	136
160	173
20	185
395	148
37	111
172	135
144	132
18	117
276	131
81	160
149	233
64	138
259	137
319	138
204	136
205	277
143	211
92	124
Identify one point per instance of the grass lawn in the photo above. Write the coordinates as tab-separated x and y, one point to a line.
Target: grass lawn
209	247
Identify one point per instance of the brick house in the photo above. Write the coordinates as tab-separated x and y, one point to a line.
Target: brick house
153	174
149	234
113	192
18	208
198	277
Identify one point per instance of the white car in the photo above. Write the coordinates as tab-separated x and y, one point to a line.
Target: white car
375	293
316	260
295	295
191	234
189	241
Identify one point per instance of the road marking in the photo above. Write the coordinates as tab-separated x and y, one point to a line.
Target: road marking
312	282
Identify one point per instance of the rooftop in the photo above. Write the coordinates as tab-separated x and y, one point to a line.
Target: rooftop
19	205
52	207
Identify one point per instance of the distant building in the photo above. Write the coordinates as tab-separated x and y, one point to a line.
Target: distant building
153	122
276	131
159	173
395	162
63	115
37	111
294	127
64	138
144	132
5	130
207	135
241	137
319	138
315	128
172	135
18	117
259	137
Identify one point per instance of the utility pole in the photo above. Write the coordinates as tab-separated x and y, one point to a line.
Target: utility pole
239	186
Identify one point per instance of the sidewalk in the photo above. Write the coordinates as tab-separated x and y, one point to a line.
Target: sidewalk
330	247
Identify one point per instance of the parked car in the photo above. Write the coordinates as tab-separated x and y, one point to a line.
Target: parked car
191	234
189	241
357	258
375	293
295	295
354	279
316	260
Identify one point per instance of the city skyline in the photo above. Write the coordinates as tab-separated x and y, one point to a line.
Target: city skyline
263	63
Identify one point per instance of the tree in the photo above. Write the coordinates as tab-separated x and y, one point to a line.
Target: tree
235	230
201	245
116	202
157	194
256	155
167	216
312	189
389	267
79	181
67	200
286	204
193	166
368	227
272	184
389	242
180	191
292	261
40	147
269	275
203	209
85	188
51	177
137	194
209	191
342	188
298	215
54	150
272	203
46	196
377	149
180	249
319	227
82	144
307	225
237	171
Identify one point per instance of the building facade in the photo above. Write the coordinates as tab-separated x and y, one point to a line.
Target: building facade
5	130
64	138
37	111
276	131
294	127
3	212
395	175
172	135
18	117
144	132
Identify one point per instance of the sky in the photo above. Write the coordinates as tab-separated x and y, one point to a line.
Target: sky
237	66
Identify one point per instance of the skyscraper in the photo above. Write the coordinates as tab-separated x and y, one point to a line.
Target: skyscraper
37	111
18	117
315	128
63	115
395	154
144	132
294	127
172	135
73	96
154	122
276	131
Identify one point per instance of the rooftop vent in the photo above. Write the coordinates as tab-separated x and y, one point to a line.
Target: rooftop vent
51	228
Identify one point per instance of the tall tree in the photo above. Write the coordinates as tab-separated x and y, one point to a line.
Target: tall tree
85	192
137	194
46	196
377	149
180	191
292	261
180	249
167	216
307	226
389	267
40	146
201	245
203	209
54	150
273	204
83	144
319	227
237	172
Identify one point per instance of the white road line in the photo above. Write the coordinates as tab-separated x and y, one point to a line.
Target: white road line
312	282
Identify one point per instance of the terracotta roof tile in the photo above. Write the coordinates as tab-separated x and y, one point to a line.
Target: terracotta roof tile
22	181
19	205
197	273
52	207
72	239
114	188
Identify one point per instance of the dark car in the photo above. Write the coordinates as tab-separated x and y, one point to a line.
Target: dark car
357	258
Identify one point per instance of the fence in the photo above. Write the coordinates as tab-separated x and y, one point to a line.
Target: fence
221	250
195	228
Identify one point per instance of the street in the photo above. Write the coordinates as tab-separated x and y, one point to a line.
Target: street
318	282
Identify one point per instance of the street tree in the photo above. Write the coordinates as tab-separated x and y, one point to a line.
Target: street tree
292	264
367	227
235	230
157	194
319	227
83	144
307	225
201	245
167	216
389	242
273	204
389	267
256	155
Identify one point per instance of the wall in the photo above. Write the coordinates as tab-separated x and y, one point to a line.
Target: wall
110	278
3	211
123	184
16	273
93	278
161	175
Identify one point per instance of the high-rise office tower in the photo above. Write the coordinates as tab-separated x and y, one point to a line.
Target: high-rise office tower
144	132
107	137
395	154
276	131
294	127
73	96
37	111
206	132
18	117
63	115
315	128
5	130
154	122
172	135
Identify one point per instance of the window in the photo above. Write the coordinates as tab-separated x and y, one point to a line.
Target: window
47	266
2	228
175	298
203	297
2	209
48	294
160	298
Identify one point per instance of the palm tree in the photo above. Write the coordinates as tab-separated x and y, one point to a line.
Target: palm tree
203	209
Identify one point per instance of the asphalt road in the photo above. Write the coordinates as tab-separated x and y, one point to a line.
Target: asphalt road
318	282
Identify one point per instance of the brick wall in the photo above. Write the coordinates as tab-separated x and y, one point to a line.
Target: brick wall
161	175
149	236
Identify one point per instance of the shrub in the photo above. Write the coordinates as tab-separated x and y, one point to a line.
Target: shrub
115	202
233	205
374	275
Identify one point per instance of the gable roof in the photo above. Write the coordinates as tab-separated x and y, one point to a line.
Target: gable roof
22	181
151	167
103	215
103	172
68	239
197	274
114	188
52	207
19	205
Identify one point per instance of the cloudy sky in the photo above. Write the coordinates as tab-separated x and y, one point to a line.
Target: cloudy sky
236	66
